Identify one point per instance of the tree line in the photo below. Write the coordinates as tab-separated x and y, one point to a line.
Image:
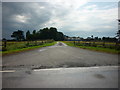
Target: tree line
52	33
42	34
108	39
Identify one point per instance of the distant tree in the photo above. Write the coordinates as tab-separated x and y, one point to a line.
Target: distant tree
34	31
53	33
99	39
118	32
96	38
18	35
103	38
109	39
4	39
92	36
60	36
28	35
88	38
34	36
118	35
45	33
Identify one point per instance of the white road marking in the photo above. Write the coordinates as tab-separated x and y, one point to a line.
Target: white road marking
52	46
82	68
8	71
47	69
42	50
51	69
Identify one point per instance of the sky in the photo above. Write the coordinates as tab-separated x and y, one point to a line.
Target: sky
81	18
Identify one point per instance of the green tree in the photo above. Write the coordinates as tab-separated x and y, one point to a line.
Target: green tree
18	35
60	36
44	33
118	35
53	33
34	36
28	35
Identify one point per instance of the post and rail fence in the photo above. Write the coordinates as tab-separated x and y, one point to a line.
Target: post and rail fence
111	45
22	44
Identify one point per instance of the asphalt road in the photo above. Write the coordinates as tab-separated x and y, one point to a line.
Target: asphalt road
59	55
90	69
82	77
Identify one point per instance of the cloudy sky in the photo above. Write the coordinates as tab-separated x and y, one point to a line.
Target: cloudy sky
72	17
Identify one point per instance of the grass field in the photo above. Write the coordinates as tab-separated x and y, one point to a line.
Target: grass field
15	47
97	46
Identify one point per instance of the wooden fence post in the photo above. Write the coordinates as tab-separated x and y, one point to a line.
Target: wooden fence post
27	43
74	42
42	41
4	45
103	44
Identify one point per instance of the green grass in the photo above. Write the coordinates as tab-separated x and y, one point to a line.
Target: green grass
100	49
12	49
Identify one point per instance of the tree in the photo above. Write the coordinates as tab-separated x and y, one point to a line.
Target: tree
34	37
92	36
96	38
34	31
28	35
118	32
18	35
118	35
45	33
60	36
53	32
103	38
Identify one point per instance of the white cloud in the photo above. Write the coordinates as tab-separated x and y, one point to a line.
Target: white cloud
91	7
69	3
21	18
66	15
88	19
108	27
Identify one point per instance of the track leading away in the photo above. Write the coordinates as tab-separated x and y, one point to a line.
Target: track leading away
59	55
26	70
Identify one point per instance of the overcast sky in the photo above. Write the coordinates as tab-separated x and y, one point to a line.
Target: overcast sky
72	17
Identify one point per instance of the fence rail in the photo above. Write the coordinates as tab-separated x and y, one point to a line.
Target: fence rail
7	45
111	45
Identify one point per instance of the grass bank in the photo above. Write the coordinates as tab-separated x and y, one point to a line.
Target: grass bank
100	49
3	53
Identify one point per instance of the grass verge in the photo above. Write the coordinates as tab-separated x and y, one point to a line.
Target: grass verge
3	53
100	49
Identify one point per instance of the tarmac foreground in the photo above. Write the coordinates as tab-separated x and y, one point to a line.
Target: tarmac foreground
82	77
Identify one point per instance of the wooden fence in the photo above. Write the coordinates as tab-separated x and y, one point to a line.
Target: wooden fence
4	45
112	45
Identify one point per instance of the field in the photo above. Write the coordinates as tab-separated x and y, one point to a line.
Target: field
13	47
109	47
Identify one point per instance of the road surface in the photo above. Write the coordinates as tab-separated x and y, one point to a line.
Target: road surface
48	68
84	77
59	55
